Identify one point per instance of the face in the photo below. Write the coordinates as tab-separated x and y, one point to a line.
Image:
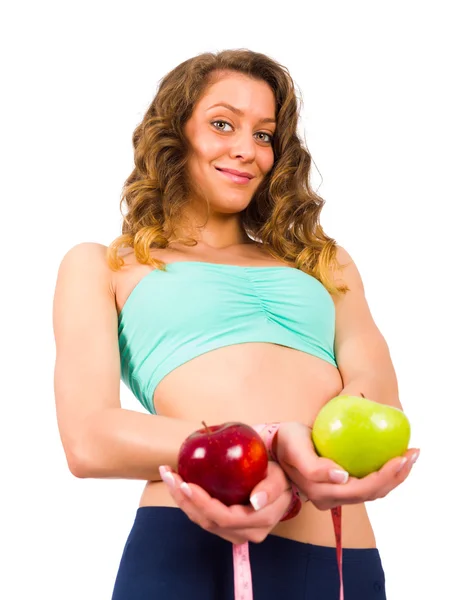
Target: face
236	137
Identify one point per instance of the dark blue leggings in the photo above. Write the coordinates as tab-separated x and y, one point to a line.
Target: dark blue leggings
168	557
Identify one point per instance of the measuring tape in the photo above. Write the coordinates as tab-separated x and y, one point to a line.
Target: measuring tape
243	586
337	522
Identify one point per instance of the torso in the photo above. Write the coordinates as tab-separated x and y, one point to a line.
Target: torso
252	383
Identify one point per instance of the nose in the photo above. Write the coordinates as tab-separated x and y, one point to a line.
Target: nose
243	147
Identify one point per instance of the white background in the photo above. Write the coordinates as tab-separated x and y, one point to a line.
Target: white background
379	116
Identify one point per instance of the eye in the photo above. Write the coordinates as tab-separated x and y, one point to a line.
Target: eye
268	135
263	133
220	128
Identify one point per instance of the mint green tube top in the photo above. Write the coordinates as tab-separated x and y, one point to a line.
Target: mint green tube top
192	308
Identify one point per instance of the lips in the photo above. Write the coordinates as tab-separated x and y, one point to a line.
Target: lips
237	173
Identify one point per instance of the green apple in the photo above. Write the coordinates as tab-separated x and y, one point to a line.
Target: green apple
359	434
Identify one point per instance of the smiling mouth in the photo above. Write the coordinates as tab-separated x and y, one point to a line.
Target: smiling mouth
235	178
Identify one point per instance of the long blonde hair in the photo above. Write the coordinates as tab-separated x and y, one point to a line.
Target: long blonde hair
284	212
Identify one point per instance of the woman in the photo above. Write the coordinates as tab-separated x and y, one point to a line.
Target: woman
223	300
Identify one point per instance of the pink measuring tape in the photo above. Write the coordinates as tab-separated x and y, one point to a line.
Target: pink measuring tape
243	586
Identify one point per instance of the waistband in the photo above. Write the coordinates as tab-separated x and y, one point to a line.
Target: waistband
170	521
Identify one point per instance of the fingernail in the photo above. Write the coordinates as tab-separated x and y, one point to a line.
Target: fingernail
162	471
259	500
337	476
184	487
414	457
169	480
402	462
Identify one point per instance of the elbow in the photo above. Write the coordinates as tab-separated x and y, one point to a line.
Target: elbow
79	451
89	451
79	458
86	458
78	466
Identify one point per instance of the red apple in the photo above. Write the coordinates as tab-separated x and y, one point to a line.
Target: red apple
226	460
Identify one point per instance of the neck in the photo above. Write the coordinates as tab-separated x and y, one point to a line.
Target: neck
219	232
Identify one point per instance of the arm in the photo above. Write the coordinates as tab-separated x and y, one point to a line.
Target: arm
365	366
101	439
362	353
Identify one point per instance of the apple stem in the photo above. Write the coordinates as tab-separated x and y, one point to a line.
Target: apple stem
206	427
362	395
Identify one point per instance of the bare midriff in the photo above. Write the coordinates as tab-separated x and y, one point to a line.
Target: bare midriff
251	383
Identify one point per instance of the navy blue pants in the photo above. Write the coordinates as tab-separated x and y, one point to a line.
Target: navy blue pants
168	557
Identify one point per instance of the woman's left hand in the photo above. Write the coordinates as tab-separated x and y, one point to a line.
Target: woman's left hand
323	481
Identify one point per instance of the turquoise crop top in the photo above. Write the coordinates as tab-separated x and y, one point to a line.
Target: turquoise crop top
192	308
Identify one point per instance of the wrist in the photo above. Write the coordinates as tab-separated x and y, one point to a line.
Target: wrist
274	443
268	433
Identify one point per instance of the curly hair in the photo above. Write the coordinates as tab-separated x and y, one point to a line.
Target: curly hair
283	214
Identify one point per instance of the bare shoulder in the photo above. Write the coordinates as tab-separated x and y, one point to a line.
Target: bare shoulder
346	272
86	260
83	274
84	253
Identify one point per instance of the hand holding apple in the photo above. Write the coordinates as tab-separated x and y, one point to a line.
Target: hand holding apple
323	481
236	523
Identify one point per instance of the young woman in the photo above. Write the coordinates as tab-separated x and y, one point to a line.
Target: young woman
222	300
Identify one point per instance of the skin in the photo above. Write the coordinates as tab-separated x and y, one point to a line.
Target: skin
218	137
101	439
243	144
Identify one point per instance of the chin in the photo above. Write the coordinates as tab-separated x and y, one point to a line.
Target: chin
230	203
228	207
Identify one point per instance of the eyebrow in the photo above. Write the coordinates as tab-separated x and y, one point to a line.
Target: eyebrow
239	112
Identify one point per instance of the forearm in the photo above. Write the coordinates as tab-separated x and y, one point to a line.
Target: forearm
124	444
375	387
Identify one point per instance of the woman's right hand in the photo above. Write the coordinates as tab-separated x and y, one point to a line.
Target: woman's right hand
237	523
323	481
